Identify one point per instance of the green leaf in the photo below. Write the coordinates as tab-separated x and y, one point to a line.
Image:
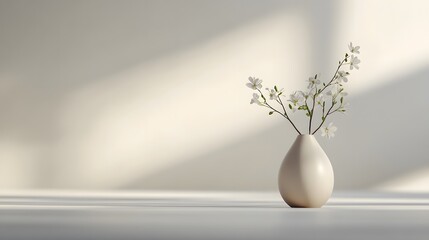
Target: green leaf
275	88
341	99
307	114
315	76
290	106
323	118
345	60
270	113
324	84
347	55
303	107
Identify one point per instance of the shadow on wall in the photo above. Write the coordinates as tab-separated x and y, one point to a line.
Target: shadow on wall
51	49
55	48
378	140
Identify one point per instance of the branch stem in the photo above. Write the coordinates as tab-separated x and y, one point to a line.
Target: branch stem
312	112
282	114
333	103
324	118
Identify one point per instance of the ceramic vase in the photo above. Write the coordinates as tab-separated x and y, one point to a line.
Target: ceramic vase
306	178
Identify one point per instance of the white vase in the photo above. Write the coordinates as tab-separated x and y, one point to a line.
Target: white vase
306	178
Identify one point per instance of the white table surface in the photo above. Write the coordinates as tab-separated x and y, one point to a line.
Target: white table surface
209	215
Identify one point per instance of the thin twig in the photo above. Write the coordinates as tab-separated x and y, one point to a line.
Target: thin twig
284	109
324	118
312	112
275	110
335	74
320	91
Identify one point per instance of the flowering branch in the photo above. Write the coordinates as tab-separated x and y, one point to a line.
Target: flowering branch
319	92
299	99
324	118
265	103
312	110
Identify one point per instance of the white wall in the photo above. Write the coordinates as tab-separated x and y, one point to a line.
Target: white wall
151	95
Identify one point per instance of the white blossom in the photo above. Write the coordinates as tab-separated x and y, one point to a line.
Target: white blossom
354	49
320	99
272	93
307	94
254	83
312	81
354	62
256	100
329	131
296	98
336	91
342	76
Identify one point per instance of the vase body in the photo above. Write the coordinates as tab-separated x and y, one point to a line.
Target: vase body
306	178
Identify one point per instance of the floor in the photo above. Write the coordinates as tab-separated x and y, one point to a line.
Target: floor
209	215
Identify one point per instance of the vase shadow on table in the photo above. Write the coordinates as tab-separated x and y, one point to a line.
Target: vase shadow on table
383	137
